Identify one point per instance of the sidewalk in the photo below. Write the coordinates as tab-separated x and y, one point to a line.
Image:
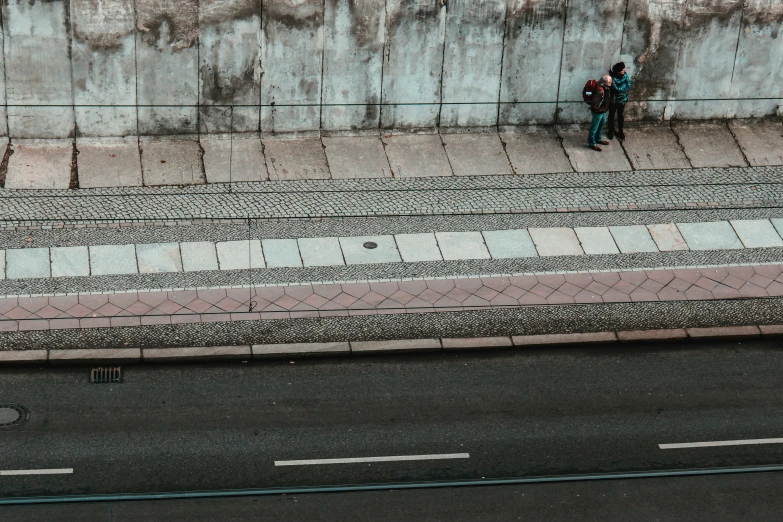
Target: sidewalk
190	160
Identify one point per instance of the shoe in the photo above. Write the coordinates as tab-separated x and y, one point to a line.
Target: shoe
620	136
610	135
602	142
595	147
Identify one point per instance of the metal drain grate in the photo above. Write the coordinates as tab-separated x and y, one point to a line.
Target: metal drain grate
13	415
106	374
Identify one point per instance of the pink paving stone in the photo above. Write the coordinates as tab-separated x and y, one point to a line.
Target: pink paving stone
442	286
358	313
328	291
64	302
401	297
770	271
18	313
430	295
626	287
215	295
286	302
186	318
167	307
63	324
358	290
651	285
558	297
138	308
716	274
108	310
742	272
447	302
734	281
9	303
640	295
95	301
614	296
198	306
514	292
95	322
343	300
116	322
412	287
300	293
183	297
153	299
597	288
688	274
332	313
48	312
245	316
751	290
530	299
360	305
696	293
569	289
500	300
725	292
524	282
271	316
257	304
373	298
417	303
706	283
316	301
486	293
670	294
458	294
153	320
270	293
218	318
301	314
679	285
775	289
635	278
660	276
9	326
580	280
33	324
497	284
300	307
33	304
606	278
391	311
384	289
760	280
541	290
553	281
469	284
587	297
123	300
388	304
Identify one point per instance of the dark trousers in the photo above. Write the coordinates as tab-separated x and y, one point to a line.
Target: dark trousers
619	110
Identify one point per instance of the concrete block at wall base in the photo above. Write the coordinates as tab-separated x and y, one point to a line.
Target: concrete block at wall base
40	164
470	343
285	349
572	338
762	142
354	157
231	160
724	332
535	150
290	159
665	334
400	345
195	353
709	144
416	155
109	162
583	159
95	355
22	356
174	160
653	146
476	154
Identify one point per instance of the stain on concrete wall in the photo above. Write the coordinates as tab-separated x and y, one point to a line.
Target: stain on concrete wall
38	68
229	68
472	62
167	66
291	64
413	62
103	58
353	60
531	60
3	112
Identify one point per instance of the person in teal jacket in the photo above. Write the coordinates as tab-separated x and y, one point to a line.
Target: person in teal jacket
621	83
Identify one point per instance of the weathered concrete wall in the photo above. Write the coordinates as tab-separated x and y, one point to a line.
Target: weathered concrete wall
122	67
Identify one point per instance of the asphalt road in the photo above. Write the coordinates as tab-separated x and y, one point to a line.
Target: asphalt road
502	415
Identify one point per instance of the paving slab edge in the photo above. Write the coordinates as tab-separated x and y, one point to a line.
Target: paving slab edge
393	346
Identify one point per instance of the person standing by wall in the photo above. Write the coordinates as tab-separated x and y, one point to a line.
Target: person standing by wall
599	105
621	83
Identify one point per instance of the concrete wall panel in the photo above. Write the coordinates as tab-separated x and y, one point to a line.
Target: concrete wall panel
3	112
413	61
472	58
38	68
353	62
758	69
291	62
591	45
229	68
104	67
167	65
533	44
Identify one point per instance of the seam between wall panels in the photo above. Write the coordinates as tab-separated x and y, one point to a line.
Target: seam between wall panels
560	67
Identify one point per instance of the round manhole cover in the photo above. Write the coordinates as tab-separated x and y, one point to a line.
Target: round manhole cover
371	245
12	415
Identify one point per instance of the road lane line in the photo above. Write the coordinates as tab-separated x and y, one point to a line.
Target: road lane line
744	442
392	458
61	471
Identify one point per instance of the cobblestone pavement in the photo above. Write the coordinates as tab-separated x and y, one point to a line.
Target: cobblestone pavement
686	188
390	297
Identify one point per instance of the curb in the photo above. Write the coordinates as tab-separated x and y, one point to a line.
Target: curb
345	348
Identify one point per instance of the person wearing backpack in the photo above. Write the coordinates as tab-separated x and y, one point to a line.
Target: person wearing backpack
597	95
621	82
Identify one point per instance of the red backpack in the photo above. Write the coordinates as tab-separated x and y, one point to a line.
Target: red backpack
587	92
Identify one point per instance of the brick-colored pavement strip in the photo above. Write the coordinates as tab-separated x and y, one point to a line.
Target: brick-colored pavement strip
400	297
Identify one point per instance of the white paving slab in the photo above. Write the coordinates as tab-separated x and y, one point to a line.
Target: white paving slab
2	264
667	237
113	260
462	245
418	247
40	164
26	263
240	255
596	240
355	157
156	258
535	150
757	233
506	244
633	239
715	235
70	261
356	254
556	241
583	159
109	162
171	161
416	155
198	255
476	154
233	160
281	253
320	251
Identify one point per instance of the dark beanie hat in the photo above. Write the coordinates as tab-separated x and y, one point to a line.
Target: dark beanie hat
618	67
